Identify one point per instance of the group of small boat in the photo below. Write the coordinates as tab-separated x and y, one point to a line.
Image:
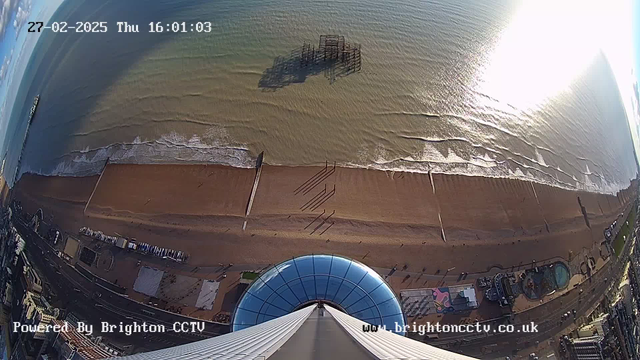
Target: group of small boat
137	246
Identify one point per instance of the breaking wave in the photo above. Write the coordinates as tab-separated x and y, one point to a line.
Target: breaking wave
169	149
214	147
493	164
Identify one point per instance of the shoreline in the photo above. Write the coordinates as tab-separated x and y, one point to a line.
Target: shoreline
381	218
349	165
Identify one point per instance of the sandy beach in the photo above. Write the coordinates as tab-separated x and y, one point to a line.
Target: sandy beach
381	218
184	190
66	189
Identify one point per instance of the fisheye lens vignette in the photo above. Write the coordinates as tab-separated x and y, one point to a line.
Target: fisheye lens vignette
317	180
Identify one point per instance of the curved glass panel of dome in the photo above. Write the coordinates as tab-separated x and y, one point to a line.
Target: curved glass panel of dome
344	283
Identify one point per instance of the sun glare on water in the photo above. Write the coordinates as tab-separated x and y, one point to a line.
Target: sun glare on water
546	45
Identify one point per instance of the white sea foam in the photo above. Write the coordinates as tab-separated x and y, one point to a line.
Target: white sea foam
169	149
540	158
483	164
214	146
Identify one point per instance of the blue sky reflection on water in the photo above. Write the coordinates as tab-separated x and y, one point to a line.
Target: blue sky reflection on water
16	47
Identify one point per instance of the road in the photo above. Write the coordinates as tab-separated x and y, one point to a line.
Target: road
115	308
94	303
547	316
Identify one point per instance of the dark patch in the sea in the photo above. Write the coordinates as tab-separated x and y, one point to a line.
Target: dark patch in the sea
303	62
74	62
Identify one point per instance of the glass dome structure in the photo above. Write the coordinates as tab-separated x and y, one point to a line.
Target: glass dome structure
344	283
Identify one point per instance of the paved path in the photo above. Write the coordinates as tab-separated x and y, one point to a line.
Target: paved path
95	303
547	317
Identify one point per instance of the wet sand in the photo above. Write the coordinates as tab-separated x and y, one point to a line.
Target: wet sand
372	204
179	190
67	189
381	218
489	204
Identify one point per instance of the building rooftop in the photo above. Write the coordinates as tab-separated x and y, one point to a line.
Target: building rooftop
587	340
82	344
346	284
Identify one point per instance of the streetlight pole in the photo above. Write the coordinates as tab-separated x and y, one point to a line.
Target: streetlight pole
445	274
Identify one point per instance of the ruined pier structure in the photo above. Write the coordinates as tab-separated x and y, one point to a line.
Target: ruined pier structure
332	48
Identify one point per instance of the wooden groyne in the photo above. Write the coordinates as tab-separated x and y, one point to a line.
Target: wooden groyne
86	206
433	188
254	188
